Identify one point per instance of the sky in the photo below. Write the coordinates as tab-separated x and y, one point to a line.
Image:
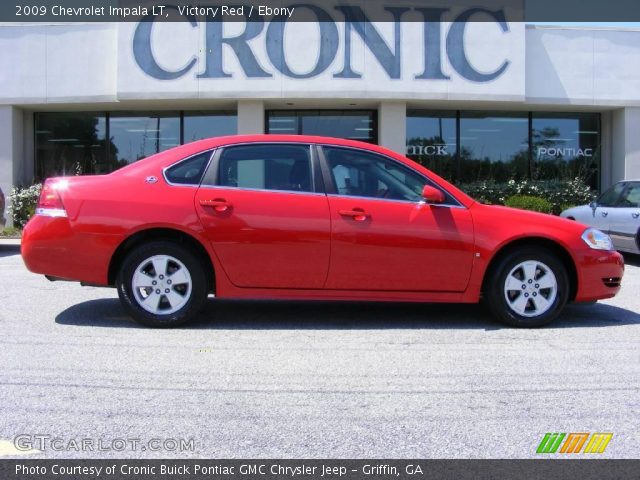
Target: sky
593	24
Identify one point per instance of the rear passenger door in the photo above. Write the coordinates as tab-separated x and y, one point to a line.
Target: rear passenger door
265	216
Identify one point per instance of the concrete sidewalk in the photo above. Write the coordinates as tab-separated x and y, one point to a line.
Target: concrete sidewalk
10	242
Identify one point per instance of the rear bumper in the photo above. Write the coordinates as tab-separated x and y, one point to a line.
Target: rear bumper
599	274
51	247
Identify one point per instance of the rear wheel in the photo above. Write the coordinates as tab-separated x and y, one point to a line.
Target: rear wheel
528	288
161	284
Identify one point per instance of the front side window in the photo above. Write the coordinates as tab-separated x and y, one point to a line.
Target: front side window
611	196
362	174
267	167
631	197
189	171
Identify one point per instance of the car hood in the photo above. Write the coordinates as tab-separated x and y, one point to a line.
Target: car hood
525	221
576	210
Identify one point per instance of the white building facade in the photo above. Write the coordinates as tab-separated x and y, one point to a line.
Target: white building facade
474	101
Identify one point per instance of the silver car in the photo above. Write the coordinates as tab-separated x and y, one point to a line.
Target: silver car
2	219
617	212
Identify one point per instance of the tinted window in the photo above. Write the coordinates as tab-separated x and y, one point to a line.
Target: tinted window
190	171
493	146
631	197
135	136
352	124
198	125
611	196
72	144
363	174
267	167
431	140
566	146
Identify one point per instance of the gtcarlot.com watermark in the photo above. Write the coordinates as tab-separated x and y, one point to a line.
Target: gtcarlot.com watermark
26	442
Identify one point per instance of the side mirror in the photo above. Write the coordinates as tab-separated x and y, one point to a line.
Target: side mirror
432	195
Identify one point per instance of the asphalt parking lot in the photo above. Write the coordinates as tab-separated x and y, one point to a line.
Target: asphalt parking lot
274	380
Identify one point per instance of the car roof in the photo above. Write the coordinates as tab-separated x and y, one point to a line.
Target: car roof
269	138
168	157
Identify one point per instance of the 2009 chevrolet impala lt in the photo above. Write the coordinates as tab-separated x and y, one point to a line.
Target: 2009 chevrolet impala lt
300	217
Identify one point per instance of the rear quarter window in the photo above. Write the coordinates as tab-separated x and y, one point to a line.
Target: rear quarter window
189	171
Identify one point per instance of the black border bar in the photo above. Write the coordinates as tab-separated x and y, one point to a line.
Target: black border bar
559	11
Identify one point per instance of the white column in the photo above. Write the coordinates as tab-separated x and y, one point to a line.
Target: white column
12	162
626	144
392	126
250	117
606	150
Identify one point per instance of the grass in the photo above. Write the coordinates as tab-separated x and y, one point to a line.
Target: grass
10	232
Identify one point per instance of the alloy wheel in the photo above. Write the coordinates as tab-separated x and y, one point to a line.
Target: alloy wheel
162	284
530	288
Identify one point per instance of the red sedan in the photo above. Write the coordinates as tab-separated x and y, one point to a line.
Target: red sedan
300	217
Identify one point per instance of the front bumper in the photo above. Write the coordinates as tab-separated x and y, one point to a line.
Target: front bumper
599	274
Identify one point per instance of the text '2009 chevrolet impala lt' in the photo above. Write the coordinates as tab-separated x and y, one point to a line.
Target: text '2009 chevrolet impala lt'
301	217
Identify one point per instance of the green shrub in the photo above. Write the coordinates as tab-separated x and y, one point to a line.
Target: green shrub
527	202
558	193
23	203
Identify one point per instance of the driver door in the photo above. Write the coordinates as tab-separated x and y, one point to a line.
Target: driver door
383	236
604	207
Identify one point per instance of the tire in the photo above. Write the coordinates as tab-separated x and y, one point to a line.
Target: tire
521	298
177	295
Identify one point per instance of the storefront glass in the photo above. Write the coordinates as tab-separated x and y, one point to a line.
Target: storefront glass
493	146
199	125
135	136
475	146
75	143
431	140
351	124
70	144
566	146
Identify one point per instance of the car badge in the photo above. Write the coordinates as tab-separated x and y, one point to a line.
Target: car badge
151	179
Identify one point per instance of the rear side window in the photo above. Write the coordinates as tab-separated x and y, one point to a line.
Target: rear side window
267	167
189	171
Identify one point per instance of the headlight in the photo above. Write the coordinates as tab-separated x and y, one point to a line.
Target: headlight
597	240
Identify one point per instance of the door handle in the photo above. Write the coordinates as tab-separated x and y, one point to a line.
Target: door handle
604	214
635	215
218	204
358	214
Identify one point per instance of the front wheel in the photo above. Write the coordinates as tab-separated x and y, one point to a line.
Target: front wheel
528	288
161	284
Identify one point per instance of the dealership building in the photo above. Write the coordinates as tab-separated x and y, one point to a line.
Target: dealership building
473	101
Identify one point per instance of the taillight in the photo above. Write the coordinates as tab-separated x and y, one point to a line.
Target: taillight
50	203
